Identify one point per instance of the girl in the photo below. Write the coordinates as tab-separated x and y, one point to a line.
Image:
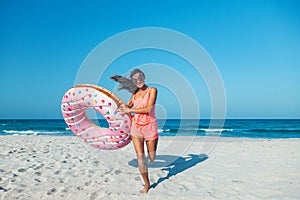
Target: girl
144	126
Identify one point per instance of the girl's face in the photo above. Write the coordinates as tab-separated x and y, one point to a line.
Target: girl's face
138	79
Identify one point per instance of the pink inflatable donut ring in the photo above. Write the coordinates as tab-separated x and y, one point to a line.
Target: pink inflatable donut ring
81	97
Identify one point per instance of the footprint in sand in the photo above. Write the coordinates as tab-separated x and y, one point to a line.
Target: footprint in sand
57	172
22	170
39	167
182	189
91	173
65	190
13	180
51	191
3	189
88	183
79	188
37	180
93	196
20	190
96	163
38	173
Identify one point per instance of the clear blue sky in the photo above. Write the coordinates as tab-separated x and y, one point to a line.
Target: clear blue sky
255	44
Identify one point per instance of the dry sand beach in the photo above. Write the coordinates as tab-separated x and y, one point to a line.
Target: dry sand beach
48	167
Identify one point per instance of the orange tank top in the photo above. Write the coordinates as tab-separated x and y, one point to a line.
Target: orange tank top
142	119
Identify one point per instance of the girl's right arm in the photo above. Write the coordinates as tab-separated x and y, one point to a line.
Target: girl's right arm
127	106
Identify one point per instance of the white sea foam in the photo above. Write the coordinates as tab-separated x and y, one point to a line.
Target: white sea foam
31	132
164	130
14	132
209	130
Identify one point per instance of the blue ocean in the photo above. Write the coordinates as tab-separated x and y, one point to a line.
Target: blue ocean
249	128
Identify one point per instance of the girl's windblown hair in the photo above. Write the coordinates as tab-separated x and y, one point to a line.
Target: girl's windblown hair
125	83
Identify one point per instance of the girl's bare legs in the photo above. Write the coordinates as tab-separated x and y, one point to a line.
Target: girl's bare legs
152	146
140	154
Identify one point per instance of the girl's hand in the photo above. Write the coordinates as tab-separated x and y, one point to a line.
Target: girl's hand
124	108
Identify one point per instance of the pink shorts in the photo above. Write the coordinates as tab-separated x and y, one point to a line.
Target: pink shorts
148	132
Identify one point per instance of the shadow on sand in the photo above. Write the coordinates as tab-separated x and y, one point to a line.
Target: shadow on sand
173	164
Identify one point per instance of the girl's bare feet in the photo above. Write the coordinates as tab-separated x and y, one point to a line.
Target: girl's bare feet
145	189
